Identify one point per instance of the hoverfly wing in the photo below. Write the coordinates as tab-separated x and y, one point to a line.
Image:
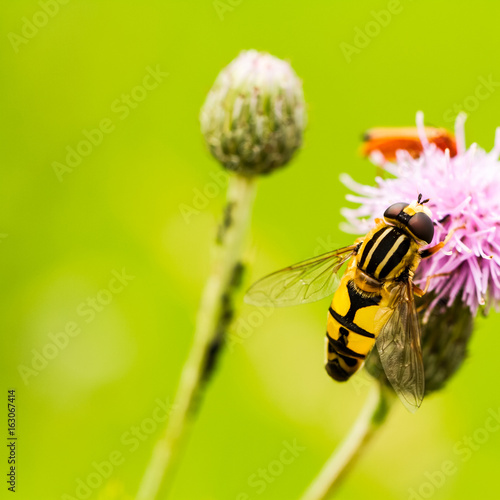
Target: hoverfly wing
400	352
307	281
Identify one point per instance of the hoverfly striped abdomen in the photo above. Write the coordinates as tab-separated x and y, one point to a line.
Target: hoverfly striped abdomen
349	329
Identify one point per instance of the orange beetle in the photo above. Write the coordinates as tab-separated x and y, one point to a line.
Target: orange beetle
389	140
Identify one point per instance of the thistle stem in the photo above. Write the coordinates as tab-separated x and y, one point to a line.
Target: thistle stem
370	419
214	315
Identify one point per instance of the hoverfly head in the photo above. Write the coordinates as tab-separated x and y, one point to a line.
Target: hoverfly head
415	218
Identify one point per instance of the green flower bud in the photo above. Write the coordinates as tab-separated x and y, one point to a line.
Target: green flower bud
444	342
254	115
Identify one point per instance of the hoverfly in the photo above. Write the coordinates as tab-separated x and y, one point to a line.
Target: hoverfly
374	300
389	140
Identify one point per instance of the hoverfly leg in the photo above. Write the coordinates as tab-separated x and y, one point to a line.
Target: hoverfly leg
428	252
428	282
420	293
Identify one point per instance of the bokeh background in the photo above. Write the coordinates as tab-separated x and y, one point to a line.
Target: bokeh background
119	209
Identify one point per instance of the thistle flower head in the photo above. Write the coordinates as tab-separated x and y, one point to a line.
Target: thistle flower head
254	115
464	192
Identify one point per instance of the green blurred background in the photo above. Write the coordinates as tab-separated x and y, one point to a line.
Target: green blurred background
119	209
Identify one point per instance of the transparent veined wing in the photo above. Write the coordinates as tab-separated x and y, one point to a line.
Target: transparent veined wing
304	282
400	352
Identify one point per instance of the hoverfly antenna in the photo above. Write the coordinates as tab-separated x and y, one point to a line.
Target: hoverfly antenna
420	202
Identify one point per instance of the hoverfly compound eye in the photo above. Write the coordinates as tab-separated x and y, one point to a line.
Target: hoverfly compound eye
422	227
394	210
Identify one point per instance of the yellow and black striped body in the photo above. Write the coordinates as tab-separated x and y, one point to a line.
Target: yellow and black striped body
364	301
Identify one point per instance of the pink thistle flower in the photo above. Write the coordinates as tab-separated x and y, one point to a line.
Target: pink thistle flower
463	191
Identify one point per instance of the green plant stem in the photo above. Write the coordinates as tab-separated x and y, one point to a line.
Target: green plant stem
214	315
370	419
